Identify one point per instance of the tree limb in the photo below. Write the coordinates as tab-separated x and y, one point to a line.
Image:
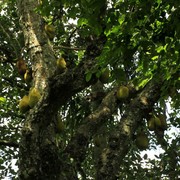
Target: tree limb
123	135
13	83
13	44
70	48
77	146
9	143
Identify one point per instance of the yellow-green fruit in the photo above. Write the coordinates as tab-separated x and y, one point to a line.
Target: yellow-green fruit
163	121
104	77
157	122
34	97
50	31
142	141
60	125
28	76
151	124
123	92
24	104
61	63
97	141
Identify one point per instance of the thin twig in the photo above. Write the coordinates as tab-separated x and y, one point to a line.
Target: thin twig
70	48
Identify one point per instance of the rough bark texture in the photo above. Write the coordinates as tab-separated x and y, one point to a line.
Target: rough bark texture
37	140
36	42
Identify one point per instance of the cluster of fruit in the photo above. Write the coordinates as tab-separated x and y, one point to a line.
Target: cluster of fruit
154	123
24	71
157	122
30	100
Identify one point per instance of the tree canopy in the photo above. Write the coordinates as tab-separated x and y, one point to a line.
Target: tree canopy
87	86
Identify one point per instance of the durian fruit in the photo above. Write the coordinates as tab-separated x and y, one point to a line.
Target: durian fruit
24	104
142	141
122	93
34	96
28	76
21	66
50	31
151	124
163	125
157	122
61	64
97	141
104	77
60	125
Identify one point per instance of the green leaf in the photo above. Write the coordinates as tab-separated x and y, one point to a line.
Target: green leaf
144	82
88	76
2	99
159	49
82	21
121	19
154	58
120	75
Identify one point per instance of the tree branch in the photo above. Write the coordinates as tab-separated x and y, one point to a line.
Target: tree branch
9	143
11	40
13	83
137	109
70	48
77	146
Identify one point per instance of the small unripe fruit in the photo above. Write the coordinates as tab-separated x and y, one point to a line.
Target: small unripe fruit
142	141
34	97
28	76
24	104
151	124
104	77
60	125
61	63
123	92
50	31
157	122
97	141
163	121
